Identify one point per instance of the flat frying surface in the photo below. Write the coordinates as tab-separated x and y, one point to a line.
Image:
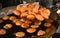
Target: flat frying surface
10	32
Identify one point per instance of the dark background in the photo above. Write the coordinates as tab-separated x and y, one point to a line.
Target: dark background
6	3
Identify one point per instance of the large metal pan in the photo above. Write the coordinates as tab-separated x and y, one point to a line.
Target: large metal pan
8	10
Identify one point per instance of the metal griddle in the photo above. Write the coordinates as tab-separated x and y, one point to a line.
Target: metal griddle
54	16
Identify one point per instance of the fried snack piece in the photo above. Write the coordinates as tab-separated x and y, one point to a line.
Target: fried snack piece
30	17
39	17
18	7
34	26
49	20
36	22
20	34
18	23
28	21
37	6
24	15
31	30
22	20
12	18
45	13
16	12
2	31
1	20
5	17
8	26
23	8
15	20
40	10
35	9
47	24
32	13
25	25
30	7
48	30
40	32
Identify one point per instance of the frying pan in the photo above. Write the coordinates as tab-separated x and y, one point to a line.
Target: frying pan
54	16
